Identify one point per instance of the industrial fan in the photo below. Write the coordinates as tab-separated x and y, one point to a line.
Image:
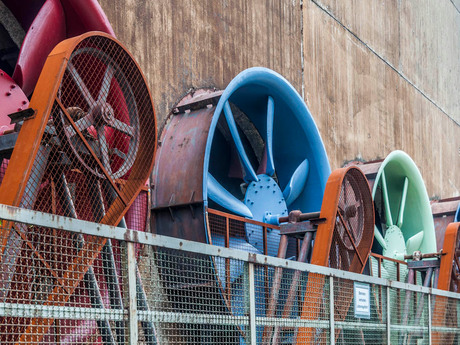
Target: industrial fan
403	220
251	155
47	23
343	240
85	149
405	243
252	151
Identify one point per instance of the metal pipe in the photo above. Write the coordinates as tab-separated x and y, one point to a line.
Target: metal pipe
303	255
299	217
90	278
276	285
148	327
108	262
142	304
421	301
419	256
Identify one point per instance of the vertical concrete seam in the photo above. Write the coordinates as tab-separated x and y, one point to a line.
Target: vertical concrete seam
325	10
302	63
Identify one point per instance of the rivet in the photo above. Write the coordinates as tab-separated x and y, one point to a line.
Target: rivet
273	192
13	86
8	93
256	191
24	102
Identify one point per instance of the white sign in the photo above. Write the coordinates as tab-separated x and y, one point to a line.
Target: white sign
362	294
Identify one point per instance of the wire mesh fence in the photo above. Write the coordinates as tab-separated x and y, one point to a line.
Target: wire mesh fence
142	288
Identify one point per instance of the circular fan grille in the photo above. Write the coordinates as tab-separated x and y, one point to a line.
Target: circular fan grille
354	223
86	154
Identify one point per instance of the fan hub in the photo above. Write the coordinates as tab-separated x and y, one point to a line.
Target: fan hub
394	240
265	200
264	197
350	211
103	114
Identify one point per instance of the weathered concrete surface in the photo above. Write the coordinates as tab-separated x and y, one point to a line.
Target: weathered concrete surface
359	88
378	75
205	43
419	38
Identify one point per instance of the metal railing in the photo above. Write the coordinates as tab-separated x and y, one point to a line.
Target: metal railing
175	291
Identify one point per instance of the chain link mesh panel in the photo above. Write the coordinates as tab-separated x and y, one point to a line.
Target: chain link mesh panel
53	297
93	158
188	296
232	232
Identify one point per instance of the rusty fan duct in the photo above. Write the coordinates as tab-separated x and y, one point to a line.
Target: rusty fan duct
85	153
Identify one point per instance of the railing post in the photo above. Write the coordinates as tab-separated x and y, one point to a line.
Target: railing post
388	316
252	305
132	293
331	311
429	319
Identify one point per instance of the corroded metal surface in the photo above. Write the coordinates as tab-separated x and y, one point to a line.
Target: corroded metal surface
177	191
444	212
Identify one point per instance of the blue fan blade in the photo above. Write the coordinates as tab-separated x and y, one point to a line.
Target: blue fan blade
269	140
225	199
297	182
250	173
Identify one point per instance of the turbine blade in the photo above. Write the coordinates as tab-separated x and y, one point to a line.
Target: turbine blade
270	170
386	200
378	236
296	183
224	198
249	170
403	203
414	242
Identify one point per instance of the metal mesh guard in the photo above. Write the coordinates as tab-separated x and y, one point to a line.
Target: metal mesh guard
94	157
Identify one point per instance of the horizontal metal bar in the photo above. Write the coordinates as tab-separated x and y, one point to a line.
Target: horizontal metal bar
291	323
36	218
347	325
441	329
242	219
176	317
408	328
191	318
59	312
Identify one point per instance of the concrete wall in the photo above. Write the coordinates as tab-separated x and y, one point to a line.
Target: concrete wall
384	75
204	43
377	75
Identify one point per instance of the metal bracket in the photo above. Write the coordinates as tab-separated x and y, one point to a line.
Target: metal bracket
22	115
198	102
